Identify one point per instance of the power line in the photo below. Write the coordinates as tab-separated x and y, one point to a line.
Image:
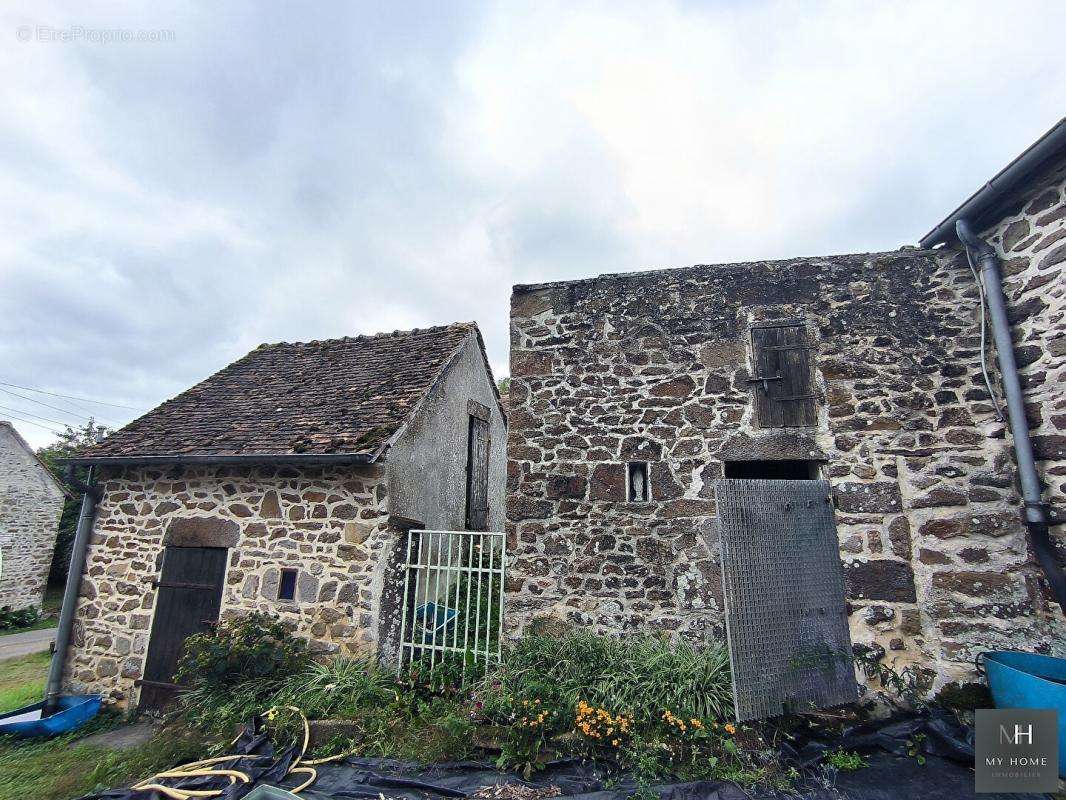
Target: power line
72	397
35	416
47	405
48	428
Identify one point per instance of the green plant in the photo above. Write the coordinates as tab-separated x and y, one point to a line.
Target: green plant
846	760
252	647
914	747
911	685
22	618
637	675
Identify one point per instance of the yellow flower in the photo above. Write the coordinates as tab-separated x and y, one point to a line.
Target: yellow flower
730	728
614	742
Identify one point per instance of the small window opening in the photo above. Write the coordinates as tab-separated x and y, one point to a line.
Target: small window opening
638	489
785	470
287	587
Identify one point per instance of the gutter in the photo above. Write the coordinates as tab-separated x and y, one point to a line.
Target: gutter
1036	513
254	458
90	497
1008	178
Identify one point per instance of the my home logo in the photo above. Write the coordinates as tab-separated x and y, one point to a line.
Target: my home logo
1017	750
1021	735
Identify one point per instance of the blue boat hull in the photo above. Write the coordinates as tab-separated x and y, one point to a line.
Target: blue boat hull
74	711
1028	680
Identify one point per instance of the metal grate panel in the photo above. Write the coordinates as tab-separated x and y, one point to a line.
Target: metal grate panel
789	644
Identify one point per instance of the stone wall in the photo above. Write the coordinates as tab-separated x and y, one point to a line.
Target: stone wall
653	367
31	503
1030	238
329	522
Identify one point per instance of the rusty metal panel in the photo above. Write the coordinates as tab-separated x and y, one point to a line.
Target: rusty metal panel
789	644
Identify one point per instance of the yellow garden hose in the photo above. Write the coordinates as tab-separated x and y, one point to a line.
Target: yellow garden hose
202	768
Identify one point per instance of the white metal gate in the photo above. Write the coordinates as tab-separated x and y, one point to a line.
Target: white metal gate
452	600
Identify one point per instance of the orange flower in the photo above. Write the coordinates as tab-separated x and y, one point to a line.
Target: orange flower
730	728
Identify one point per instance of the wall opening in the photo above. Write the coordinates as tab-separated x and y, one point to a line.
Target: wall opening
638	489
783	470
287	586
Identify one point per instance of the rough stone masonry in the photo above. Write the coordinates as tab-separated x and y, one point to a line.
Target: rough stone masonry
654	366
31	501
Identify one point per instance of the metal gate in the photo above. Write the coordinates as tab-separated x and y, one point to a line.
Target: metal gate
188	601
789	643
453	601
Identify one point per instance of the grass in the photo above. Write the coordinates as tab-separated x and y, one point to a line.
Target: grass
64	768
22	680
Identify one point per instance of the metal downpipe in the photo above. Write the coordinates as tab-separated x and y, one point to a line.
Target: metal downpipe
89	498
1035	510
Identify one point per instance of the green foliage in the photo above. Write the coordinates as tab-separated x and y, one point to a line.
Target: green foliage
911	685
846	760
614	693
255	647
66	445
637	675
914	748
23	618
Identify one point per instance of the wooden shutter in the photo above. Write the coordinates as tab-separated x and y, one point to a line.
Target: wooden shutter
783	381
477	475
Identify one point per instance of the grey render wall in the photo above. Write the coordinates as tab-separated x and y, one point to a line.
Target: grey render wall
427	464
30	505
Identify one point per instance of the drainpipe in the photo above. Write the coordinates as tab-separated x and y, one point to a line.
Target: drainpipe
1035	510
90	497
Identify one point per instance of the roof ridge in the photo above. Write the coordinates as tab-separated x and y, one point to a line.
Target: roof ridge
394	334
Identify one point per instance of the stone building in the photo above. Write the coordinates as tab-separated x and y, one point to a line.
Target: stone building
31	502
284	483
631	394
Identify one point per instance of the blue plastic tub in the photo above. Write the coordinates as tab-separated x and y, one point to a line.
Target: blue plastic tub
27	722
1028	680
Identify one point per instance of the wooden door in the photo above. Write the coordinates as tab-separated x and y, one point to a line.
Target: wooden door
189	595
477	475
783	379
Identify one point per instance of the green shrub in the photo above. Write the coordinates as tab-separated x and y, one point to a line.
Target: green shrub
23	618
639	675
254	647
587	684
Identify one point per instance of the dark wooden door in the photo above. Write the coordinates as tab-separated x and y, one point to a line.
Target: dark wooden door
189	595
783	379
477	475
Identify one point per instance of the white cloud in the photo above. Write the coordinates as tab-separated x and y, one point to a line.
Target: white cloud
298	174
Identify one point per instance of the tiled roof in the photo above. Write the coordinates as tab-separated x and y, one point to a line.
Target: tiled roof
339	396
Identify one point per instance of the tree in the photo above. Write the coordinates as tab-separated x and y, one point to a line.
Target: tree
504	384
66	445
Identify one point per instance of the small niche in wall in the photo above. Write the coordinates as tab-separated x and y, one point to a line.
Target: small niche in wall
638	486
287	585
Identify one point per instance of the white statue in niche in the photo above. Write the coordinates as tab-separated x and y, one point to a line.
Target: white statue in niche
637	481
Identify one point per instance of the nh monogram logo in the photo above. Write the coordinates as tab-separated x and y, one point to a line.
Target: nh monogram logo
1023	734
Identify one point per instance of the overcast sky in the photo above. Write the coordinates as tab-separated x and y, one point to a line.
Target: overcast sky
282	173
